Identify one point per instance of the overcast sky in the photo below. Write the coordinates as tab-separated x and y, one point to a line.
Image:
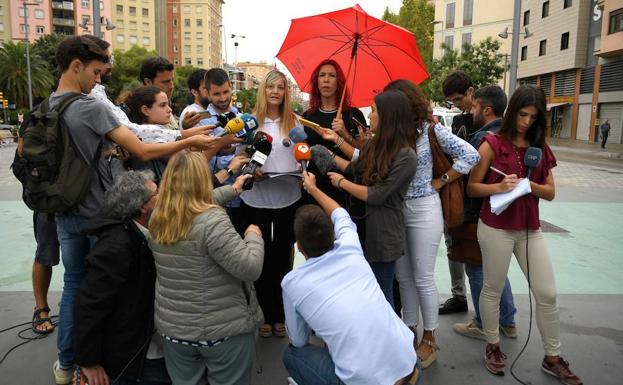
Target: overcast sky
265	23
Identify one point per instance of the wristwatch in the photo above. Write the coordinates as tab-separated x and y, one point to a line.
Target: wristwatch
445	178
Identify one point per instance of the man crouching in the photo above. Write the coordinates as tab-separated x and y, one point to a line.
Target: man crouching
335	293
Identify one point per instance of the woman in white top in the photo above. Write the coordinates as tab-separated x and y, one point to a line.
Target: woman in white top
272	202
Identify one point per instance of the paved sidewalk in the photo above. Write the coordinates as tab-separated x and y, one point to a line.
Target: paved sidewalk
612	150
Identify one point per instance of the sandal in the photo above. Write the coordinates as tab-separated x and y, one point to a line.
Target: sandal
432	357
265	331
37	321
279	330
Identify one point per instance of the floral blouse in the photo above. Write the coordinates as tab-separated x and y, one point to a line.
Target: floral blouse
465	157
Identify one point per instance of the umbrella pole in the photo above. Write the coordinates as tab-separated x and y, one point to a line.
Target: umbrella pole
339	109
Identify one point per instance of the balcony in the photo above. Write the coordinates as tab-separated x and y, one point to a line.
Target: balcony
63	22
68	5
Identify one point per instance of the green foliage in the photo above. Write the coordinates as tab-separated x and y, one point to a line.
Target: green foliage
248	98
482	61
126	69
181	93
14	74
46	47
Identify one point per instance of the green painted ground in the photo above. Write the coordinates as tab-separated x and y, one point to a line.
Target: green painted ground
587	260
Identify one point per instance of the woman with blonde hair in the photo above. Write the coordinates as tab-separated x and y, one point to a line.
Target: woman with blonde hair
206	308
272	202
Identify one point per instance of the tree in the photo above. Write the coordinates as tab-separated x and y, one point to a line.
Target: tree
125	70
14	74
181	93
248	98
46	47
482	62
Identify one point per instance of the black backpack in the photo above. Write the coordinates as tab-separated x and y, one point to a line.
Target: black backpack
54	176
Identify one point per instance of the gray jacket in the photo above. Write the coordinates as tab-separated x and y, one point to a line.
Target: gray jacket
204	285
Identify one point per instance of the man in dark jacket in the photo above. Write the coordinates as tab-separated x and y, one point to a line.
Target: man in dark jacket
114	311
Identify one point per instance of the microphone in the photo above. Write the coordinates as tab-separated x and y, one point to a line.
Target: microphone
302	154
232	127
297	135
250	125
262	149
224	118
532	158
323	160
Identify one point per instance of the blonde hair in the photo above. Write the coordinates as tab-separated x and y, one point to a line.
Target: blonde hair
185	191
288	118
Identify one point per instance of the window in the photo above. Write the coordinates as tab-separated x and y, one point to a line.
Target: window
187	36
86	19
133	39
146	40
145	27
21	12
524	52
564	41
616	21
1	27
567	4
174	9
545	11
85	3
199	22
119	9
188	61
145	12
176	61
186	22
119	23
199	48
175	22
132	11
175	49
526	18
1	10
133	25
175	36
187	48
120	38
466	39
450	15
199	61
449	41
39	14
542	47
40	29
468	11
187	9
199	35
23	28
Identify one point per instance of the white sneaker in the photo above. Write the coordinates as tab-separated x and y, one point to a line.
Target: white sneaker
470	330
62	376
291	381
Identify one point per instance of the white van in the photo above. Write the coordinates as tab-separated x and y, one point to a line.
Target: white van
444	115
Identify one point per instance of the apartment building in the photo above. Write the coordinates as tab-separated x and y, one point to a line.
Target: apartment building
256	71
49	16
135	24
462	22
193	32
582	82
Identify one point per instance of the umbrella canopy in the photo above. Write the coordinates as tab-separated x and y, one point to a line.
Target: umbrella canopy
379	51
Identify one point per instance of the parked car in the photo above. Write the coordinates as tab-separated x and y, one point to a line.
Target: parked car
444	115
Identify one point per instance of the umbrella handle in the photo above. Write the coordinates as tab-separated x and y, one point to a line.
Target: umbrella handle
339	109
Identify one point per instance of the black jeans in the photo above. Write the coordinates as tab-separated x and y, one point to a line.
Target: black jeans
604	139
277	255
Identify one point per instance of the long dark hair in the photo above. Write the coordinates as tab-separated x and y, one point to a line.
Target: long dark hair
395	125
419	105
142	96
314	97
524	96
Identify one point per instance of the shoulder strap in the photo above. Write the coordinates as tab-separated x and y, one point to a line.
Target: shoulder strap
65	102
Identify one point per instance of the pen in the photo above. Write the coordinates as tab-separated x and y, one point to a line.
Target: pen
496	170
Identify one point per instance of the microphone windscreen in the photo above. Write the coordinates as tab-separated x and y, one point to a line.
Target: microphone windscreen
233	127
264	146
322	158
261	135
297	135
533	157
250	125
302	152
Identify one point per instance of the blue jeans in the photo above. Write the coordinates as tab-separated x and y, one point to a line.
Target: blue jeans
384	274
75	246
507	305
310	365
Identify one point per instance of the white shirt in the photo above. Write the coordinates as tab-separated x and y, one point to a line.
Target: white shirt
338	297
193	107
279	191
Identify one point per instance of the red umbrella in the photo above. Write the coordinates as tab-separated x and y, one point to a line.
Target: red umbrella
375	51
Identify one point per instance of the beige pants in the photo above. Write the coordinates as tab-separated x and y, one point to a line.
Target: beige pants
497	247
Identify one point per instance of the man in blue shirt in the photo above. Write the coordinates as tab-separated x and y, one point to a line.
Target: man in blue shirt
335	293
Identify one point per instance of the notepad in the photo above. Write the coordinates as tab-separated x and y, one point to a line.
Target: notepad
499	202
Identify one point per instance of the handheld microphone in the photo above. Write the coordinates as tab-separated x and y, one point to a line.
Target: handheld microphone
302	154
262	149
224	118
232	127
323	160
532	158
250	125
297	135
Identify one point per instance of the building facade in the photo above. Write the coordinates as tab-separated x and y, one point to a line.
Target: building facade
135	22
256	71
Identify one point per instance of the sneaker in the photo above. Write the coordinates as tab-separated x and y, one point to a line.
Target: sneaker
62	376
453	305
494	359
510	331
561	371
469	330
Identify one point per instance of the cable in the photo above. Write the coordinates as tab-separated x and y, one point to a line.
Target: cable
26	338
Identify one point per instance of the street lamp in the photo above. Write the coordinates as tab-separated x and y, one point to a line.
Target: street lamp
514	44
224	40
109	24
26	27
235	37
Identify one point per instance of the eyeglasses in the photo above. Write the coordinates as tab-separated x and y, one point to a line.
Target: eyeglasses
456	99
